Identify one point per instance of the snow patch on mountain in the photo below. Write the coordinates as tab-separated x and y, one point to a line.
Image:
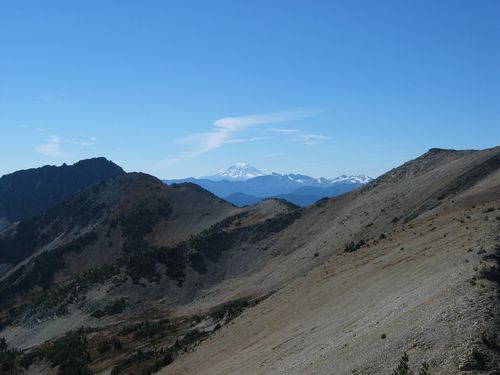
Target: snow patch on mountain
322	181
359	179
239	171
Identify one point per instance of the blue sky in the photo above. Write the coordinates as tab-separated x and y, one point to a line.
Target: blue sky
184	88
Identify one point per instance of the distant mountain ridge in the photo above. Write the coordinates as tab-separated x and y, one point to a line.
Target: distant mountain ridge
237	185
239	171
26	193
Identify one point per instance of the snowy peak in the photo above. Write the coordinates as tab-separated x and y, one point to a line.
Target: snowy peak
359	179
322	181
244	184
244	171
239	171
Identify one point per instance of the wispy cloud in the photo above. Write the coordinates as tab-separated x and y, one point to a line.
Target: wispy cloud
90	142
242	122
311	139
51	147
285	131
225	129
242	140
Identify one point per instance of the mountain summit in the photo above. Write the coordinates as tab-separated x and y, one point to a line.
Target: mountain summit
243	184
244	171
26	193
239	171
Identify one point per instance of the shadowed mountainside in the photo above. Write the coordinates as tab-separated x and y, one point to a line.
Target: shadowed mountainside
151	244
118	216
26	193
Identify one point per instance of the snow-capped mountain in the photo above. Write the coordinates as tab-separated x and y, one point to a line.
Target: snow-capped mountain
359	179
322	181
243	183
239	171
244	171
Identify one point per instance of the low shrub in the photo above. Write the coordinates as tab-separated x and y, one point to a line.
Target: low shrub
104	346
351	246
403	367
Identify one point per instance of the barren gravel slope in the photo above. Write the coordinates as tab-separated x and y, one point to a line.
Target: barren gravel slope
415	289
419	286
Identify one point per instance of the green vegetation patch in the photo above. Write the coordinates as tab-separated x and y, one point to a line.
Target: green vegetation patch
143	265
139	222
352	246
403	367
229	310
116	307
69	354
7	358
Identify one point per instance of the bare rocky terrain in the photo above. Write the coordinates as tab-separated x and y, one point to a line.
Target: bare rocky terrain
408	263
422	283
